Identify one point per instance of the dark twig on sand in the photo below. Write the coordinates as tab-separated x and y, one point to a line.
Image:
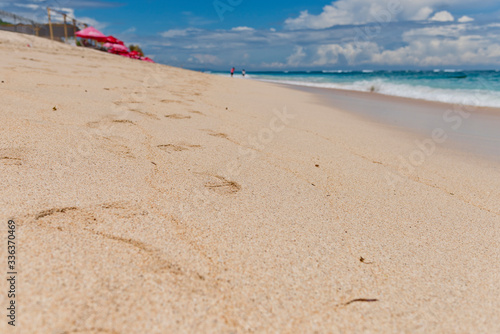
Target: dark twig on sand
361	300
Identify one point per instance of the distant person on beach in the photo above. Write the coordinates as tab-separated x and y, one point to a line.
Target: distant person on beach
243	72
232	71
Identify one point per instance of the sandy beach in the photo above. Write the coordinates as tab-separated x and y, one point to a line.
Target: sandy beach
151	199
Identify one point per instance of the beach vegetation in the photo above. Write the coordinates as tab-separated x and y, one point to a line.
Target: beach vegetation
137	48
3	23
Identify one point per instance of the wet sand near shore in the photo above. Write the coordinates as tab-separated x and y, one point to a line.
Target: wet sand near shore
470	128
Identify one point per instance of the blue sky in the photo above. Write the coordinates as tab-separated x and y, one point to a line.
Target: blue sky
295	34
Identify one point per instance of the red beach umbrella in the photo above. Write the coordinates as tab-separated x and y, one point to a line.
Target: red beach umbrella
114	40
111	39
119	48
135	55
91	33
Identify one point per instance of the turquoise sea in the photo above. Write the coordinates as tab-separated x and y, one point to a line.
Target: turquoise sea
476	88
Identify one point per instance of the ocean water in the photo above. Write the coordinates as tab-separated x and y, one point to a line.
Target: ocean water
475	88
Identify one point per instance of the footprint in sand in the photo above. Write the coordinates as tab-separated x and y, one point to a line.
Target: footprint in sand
144	113
136	110
63	219
221	185
219	134
177	148
32	59
171	101
120	103
11	161
105	123
117	148
123	121
196	112
177	116
11	156
88	225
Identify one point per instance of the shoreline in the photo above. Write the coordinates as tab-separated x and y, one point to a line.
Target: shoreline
312	86
375	95
383	97
473	129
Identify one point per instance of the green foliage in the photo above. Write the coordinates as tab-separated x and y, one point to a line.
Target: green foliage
137	48
3	23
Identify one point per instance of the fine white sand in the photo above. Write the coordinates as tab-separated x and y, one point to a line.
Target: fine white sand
151	199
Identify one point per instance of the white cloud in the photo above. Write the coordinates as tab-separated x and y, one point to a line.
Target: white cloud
33	10
130	30
296	58
30	6
94	23
274	65
422	14
421	44
443	16
342	12
456	46
352	52
428	33
177	32
448	45
242	29
347	12
331	16
199	46
205	59
465	19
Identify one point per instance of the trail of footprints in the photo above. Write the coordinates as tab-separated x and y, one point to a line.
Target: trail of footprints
217	183
222	186
177	148
59	218
129	106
